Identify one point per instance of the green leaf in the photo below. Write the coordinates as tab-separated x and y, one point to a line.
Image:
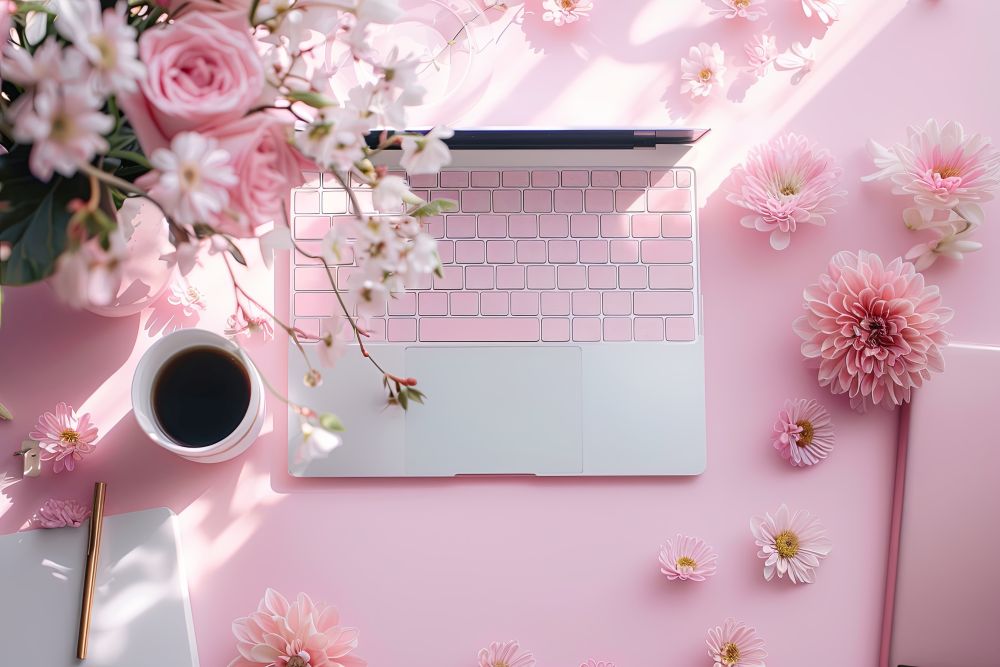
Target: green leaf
235	252
434	207
5	414
403	399
308	97
331	422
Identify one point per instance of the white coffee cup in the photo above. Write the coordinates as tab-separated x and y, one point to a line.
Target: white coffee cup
144	380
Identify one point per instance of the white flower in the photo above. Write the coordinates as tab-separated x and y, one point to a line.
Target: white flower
750	10
563	12
761	52
187	296
799	58
336	244
107	41
279	238
826	11
193	178
335	138
316	442
390	193
422	255
184	256
370	296
249	320
333	343
703	69
50	64
952	241
91	275
400	74
378	11
426	154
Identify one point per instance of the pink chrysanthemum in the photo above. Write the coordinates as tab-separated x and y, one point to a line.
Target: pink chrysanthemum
875	328
792	544
505	654
294	634
687	558
761	52
61	513
786	183
803	432
735	644
564	12
827	11
703	69
597	663
64	437
750	10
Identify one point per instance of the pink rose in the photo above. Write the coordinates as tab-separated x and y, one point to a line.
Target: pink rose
235	13
267	166
200	72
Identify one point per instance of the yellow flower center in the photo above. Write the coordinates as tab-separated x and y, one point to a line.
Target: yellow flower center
705	74
70	436
947	172
808	431
740	4
686	561
189	175
297	661
499	663
789	189
787	544
106	49
730	653
565	4
61	126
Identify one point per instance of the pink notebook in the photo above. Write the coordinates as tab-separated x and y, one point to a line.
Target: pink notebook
943	592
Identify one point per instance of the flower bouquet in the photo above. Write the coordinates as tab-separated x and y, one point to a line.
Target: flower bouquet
212	110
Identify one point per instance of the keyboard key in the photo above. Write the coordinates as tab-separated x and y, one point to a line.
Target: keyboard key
375	327
507	201
669	200
464	303
634	179
541	277
537	201
624	251
614	226
617	329
509	277
420	282
555	330
515	179
667	251
602	277
364	199
470	252
446	251
568	201
311	179
343	276
645	225
334	201
555	303
309	327
575	179
330	181
600	201
683	177
306	202
403	304
523	226
435	226
453	195
312	278
479	277
451	278
584	226
524	303
671	276
531	252
454	179
648	328
545	179
586	329
632	277
604	179
572	277
432	303
423	181
500	252
485	179
475	201
495	303
317	304
586	303
562	252
663	303
680	328
401	330
479	329
676	225
617	303
630	201
553	226
460	226
492	226
594	251
661	179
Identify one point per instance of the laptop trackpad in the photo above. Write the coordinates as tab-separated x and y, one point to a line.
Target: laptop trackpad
495	410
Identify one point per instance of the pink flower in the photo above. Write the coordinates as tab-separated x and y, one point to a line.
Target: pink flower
826	11
564	12
106	40
735	644
785	183
687	558
761	51
64	437
249	320
6	9
200	72
505	654
951	240
337	334
792	544
750	10
61	513
799	58
803	432
703	69
597	663
875	328
294	634
91	275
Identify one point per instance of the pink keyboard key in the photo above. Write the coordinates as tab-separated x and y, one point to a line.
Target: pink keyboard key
669	200
667	251
663	303
446	251
306	202
492	226
524	303
572	277
661	179
630	201
584	226
645	225
403	304
375	326
432	303
423	181
624	251
453	195
454	179
420	282
476	201
617	329
555	330
494	303
523	226
617	303
604	179
586	303
602	277
632	277
562	252
671	276
575	179
515	179
634	179
344	275
680	328
555	303
600	201
364	198
614	226
507	201
464	303
485	179
676	225
451	278
401	331
434	225
311	278
460	226
586	329
509	277
531	252
315	304
311	179
594	251
683	178
648	328
479	277
537	201
553	226
541	277
470	252
308	327
476	329
545	179
500	252
335	201
568	201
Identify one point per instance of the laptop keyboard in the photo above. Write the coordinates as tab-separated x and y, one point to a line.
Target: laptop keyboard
532	255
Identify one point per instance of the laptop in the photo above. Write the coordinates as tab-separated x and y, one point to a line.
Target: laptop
565	334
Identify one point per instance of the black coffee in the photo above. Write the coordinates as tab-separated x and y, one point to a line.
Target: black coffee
200	396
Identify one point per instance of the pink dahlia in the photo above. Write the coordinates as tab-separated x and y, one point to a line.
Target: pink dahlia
61	513
505	654
703	69
803	433
875	328
792	544
564	12
686	558
597	663
64	437
294	634
750	10
785	183
735	644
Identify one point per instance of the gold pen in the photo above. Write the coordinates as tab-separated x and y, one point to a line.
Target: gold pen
90	577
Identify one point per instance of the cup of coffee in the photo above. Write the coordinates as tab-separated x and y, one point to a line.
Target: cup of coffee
199	396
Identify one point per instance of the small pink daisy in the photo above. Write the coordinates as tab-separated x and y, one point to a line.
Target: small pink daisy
703	69
761	52
803	432
735	644
687	558
751	10
564	12
64	437
597	663
505	654
60	513
792	544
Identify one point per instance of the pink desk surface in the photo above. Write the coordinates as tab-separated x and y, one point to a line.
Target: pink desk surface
430	571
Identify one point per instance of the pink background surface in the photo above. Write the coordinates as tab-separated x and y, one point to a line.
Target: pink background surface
430	571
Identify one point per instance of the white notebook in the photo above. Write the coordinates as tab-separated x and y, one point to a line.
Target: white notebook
142	614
